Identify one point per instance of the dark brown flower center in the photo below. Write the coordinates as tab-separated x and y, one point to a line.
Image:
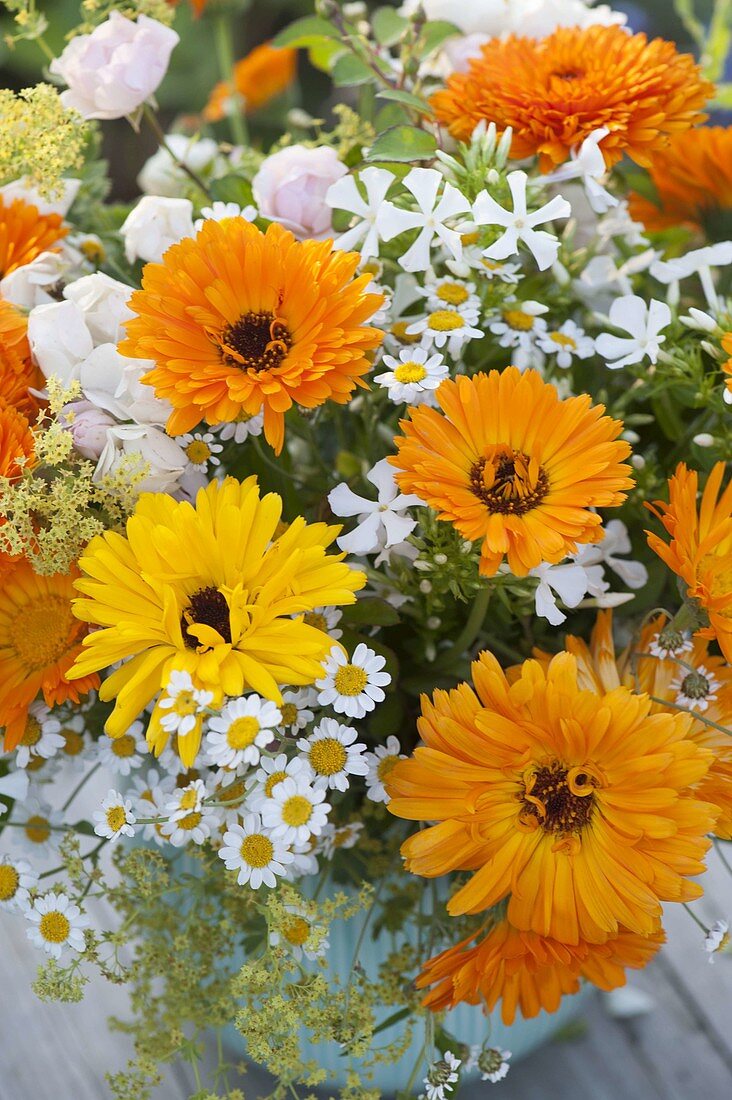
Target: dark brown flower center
257	341
208	606
559	799
509	482
568	74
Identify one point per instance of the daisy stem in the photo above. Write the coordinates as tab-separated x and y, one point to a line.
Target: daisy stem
470	631
415	1070
652	657
223	41
693	713
718	847
79	786
694	917
163	143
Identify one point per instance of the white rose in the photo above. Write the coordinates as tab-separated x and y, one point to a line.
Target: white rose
291	185
161	175
59	204
532	18
113	382
154	225
30	285
103	301
113	70
164	457
59	339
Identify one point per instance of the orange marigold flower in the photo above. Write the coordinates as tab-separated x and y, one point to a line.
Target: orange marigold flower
527	972
576	809
40	639
16	441
554	91
507	461
18	373
693	181
240	321
25	233
700	550
264	73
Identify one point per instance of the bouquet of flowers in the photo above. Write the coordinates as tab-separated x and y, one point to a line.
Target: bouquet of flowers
365	538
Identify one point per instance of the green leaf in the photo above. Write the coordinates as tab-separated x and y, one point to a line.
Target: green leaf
433	35
305	31
407	98
388	717
371	611
231	189
322	54
349	69
388	26
404	143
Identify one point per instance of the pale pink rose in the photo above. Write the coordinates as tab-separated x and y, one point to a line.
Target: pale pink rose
113	70
88	425
291	186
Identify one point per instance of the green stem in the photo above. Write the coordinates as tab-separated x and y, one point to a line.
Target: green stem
695	918
692	713
223	42
470	631
79	786
722	858
163	143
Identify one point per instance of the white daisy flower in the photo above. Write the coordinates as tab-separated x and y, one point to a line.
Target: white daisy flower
42	829
380	763
447	328
17	877
229	791
243	728
567	342
115	819
717	938
668	644
13	786
441	1077
255	853
695	690
354	686
124	754
491	1063
186	800
190	827
413	377
272	771
325	619
183	704
299	935
201	450
451	292
41	738
152	803
304	861
56	923
295	811
76	740
336	837
246	424
295	705
218	210
332	754
519	224
520	327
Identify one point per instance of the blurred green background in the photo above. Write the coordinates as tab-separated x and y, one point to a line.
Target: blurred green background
194	69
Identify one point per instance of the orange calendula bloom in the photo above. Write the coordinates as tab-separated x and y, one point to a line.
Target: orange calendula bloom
576	809
16	441
18	374
527	972
240	321
25	233
39	640
262	75
554	91
700	550
507	461
692	177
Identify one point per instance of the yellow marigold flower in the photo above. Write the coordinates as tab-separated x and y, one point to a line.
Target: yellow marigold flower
262	75
507	461
700	550
554	91
209	590
39	640
25	233
527	972
243	321
693	181
576	809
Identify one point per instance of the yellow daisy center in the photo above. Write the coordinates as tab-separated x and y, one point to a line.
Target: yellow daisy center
328	756
453	293
185	704
37	829
562	340
73	742
399	330
197	451
32	733
446	320
36	763
256	850
350	680
40	632
116	818
242	732
410	372
296	931
190	821
9	881
124	746
272	781
54	927
316	619
188	800
234	792
470	238
93	251
385	766
518	320
297	810
289	714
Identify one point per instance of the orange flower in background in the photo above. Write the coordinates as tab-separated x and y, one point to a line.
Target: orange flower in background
727	365
16	441
527	972
577	810
240	321
25	233
262	75
692	177
39	640
555	91
700	550
18	373
507	461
